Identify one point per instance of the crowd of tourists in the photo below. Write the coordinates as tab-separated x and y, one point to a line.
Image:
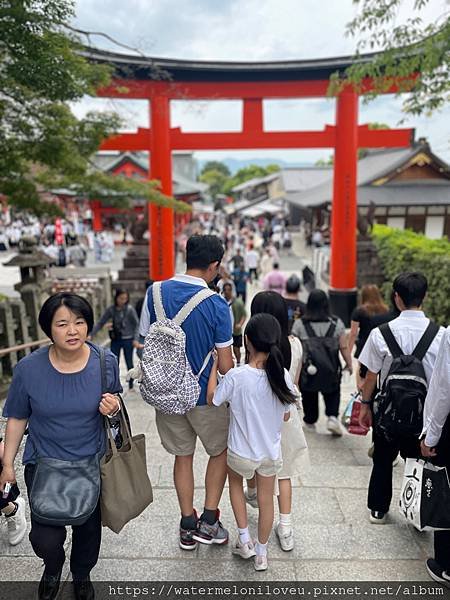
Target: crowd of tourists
245	384
70	247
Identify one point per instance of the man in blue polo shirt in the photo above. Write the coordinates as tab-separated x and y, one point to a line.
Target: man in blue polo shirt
207	327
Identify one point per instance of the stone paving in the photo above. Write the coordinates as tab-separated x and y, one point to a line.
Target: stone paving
334	539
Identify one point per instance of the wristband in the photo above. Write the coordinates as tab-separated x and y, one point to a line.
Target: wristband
366	401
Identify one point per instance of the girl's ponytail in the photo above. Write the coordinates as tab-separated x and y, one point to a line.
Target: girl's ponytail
264	333
275	375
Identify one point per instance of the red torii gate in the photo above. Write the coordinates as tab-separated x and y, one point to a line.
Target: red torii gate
251	83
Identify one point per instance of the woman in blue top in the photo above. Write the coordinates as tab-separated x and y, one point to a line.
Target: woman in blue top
57	392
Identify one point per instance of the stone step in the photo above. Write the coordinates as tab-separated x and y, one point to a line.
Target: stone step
134	262
139	274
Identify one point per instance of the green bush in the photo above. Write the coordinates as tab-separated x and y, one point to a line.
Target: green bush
408	251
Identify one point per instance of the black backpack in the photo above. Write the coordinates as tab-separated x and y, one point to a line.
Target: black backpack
323	354
398	407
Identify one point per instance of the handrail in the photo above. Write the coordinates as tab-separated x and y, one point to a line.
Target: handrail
5	351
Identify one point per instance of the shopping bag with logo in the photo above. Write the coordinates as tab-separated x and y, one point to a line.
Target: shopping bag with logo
425	495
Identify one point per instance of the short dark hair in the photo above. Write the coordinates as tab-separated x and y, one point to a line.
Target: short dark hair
202	250
228	284
293	285
411	287
76	304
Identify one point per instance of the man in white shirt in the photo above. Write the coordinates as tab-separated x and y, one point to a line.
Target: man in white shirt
435	445
252	260
409	293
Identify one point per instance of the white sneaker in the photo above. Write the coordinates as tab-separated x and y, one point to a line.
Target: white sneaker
251	500
243	550
17	524
334	426
261	562
309	426
286	539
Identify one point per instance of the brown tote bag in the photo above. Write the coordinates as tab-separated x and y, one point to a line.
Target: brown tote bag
126	489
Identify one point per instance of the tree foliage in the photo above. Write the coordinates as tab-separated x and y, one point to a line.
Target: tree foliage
220	181
216	180
408	251
42	144
408	49
247	173
215	165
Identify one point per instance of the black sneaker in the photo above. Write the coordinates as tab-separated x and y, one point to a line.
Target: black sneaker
49	586
211	534
437	573
187	542
377	517
84	590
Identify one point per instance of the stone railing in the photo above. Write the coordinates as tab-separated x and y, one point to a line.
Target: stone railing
19	331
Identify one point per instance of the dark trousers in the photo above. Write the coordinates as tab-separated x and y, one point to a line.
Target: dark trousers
310	401
127	347
253	274
442	538
48	541
242	295
384	453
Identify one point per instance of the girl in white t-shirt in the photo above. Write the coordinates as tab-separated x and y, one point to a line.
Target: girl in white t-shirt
260	394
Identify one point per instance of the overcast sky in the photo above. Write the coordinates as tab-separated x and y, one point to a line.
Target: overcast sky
248	30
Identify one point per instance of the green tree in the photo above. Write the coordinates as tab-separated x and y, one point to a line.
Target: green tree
42	144
215	165
415	56
322	162
216	181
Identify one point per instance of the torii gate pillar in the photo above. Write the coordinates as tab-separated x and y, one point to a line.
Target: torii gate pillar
161	221
343	291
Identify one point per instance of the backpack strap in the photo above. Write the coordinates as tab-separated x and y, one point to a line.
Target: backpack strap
331	329
426	340
390	340
157	301
196	299
101	352
205	364
309	330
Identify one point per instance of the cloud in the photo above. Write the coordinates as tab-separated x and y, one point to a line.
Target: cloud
250	30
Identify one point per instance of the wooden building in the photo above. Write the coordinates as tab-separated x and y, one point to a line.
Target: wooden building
409	187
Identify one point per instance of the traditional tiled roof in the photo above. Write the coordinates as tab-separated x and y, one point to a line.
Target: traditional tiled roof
376	168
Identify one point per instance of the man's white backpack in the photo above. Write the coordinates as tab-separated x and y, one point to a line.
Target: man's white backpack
168	382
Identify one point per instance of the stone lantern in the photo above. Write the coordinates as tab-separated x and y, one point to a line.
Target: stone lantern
33	286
